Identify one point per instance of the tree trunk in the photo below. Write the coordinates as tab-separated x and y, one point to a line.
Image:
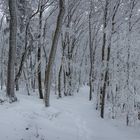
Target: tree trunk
12	50
104	75
39	54
91	60
48	73
59	82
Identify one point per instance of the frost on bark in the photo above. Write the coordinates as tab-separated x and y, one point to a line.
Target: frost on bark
48	73
12	50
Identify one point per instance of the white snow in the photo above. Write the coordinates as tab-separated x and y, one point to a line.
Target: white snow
69	118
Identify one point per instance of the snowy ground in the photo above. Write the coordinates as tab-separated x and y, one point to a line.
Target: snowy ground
70	118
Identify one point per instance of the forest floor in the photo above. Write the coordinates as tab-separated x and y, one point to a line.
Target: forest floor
69	118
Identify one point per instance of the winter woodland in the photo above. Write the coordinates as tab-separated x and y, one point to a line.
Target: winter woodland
70	63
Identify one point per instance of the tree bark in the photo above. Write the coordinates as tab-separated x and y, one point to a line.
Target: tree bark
91	60
59	82
48	73
12	50
39	53
104	75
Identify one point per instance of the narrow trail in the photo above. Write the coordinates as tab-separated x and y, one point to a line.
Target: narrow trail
69	118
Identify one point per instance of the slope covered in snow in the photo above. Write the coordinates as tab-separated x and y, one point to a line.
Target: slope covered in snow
69	118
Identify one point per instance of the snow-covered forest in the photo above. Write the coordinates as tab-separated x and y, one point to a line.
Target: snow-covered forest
69	69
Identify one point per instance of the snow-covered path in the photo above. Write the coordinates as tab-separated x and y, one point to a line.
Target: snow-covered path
70	118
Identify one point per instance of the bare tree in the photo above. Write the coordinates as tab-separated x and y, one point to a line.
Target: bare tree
55	40
39	50
104	75
12	50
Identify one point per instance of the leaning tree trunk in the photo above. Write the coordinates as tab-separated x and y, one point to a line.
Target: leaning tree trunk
48	73
12	50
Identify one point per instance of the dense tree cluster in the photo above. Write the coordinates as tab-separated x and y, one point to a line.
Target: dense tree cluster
62	45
